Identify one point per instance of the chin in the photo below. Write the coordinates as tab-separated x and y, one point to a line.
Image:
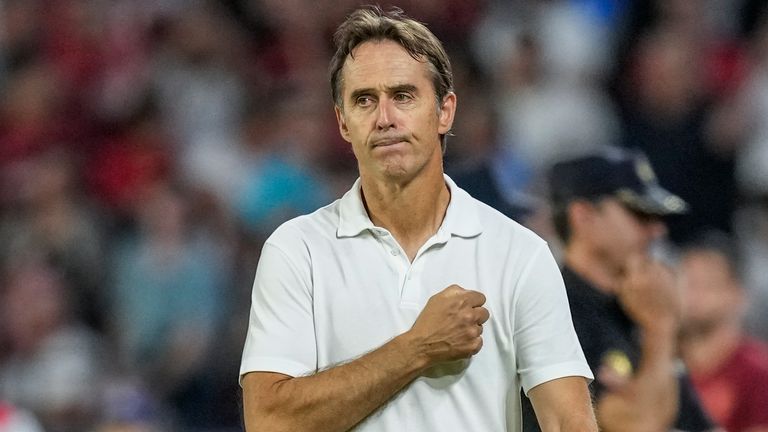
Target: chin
397	173
396	169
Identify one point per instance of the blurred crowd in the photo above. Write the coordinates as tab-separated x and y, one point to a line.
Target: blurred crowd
148	147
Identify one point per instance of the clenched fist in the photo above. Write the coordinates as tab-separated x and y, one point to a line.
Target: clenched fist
450	325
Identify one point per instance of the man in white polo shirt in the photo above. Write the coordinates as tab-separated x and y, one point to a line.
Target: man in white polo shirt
406	305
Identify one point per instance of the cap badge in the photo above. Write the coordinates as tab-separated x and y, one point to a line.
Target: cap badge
644	171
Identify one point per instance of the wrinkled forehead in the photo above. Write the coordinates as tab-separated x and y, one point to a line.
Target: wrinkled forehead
383	62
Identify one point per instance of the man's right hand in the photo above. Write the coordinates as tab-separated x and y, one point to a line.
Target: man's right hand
650	295
337	398
647	400
450	325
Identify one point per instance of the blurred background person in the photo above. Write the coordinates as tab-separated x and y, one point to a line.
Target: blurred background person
480	165
54	364
167	300
751	219
679	73
282	133
13	419
729	369
50	216
624	302
127	406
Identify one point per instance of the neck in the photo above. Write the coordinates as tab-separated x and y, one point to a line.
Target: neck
412	211
706	351
602	276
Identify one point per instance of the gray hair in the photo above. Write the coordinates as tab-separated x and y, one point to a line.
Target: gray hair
373	24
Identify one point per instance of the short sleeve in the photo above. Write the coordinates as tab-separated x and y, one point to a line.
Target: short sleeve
546	344
281	334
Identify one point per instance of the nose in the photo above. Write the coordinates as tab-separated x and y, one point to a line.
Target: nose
386	116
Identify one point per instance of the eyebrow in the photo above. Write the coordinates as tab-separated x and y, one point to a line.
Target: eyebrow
390	89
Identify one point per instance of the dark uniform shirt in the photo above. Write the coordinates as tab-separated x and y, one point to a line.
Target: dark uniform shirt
610	339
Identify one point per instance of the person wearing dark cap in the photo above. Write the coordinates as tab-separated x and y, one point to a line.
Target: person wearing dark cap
607	209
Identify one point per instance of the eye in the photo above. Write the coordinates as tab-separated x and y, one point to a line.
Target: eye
364	101
403	97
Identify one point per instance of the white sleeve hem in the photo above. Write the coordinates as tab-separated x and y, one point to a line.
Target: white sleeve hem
274	364
550	373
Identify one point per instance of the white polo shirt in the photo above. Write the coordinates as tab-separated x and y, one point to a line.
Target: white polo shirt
331	286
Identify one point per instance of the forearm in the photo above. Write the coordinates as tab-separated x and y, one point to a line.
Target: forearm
338	398
583	422
656	383
564	404
649	400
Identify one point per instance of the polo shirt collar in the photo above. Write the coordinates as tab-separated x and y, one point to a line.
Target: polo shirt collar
353	219
461	218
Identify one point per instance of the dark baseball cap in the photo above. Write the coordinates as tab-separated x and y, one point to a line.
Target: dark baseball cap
618	173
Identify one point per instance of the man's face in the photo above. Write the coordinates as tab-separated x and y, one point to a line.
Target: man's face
711	293
616	232
390	113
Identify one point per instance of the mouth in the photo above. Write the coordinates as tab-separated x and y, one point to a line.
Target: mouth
387	142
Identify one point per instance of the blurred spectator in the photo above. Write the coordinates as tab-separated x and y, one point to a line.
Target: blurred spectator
547	69
73	43
31	118
13	419
127	407
752	225
479	165
50	216
201	96
21	24
54	365
135	156
167	300
673	113
752	162
728	368
752	169
283	134
624	301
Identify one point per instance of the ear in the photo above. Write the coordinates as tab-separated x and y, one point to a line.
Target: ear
447	112
580	214
342	123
